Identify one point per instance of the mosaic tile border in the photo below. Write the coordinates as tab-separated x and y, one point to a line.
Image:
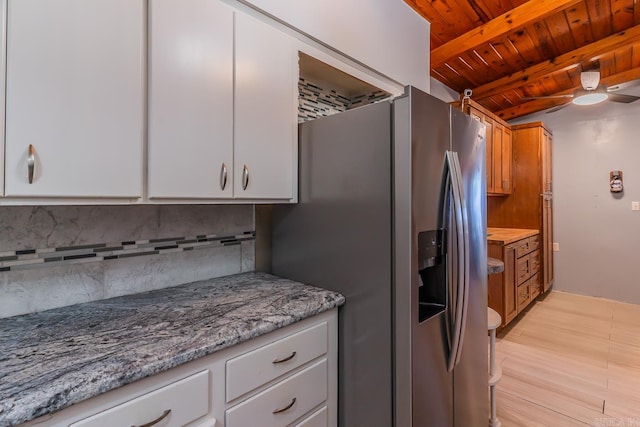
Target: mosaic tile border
48	257
315	102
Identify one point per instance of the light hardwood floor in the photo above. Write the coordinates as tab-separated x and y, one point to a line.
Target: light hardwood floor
571	361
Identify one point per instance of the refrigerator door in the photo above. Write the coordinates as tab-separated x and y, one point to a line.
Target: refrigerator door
338	237
431	382
471	373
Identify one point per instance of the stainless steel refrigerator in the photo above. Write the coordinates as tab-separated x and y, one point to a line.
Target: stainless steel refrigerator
392	214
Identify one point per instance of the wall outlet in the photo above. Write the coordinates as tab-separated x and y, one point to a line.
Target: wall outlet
635	206
556	247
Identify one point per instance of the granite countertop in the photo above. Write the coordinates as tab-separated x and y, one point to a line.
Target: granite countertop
52	359
504	236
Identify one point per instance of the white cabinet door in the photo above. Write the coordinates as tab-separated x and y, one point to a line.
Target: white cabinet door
190	99
75	92
265	111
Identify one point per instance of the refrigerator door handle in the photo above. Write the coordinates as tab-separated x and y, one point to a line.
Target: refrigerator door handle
464	263
459	260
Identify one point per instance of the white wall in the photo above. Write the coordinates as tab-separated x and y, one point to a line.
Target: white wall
386	35
443	92
598	233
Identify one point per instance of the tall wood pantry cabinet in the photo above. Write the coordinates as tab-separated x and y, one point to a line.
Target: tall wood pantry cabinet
530	204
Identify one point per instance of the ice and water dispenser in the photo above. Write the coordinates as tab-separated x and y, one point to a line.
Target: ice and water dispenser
432	267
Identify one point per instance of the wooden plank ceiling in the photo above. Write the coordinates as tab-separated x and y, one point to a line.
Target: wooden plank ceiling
510	50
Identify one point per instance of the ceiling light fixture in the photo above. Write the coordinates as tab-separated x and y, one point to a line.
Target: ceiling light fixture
590	97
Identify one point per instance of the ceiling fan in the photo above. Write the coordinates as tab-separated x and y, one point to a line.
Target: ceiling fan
592	92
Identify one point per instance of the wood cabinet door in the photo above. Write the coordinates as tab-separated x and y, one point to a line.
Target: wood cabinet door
190	99
547	211
507	156
75	92
489	141
501	159
265	111
510	283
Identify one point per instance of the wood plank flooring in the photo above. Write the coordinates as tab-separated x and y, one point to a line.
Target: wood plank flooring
571	360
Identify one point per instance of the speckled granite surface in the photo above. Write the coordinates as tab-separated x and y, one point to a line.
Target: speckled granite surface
52	359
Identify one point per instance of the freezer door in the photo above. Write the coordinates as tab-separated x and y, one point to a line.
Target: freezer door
471	373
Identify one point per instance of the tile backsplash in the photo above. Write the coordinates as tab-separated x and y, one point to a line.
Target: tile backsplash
315	101
74	237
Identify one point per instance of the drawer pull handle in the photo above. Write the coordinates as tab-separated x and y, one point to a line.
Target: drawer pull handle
286	359
31	163
223	177
286	408
164	415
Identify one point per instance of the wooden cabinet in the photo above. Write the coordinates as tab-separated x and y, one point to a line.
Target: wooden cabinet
190	153
499	148
266	88
286	377
75	94
513	289
530	205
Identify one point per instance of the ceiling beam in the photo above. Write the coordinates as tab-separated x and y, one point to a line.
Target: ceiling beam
527	13
542	104
572	59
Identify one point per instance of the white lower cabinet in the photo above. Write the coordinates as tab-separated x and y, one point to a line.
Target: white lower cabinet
213	391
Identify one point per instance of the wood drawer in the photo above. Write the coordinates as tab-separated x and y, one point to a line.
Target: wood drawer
524	296
523	269
534	262
188	400
292	397
250	370
522	248
534	242
534	285
319	418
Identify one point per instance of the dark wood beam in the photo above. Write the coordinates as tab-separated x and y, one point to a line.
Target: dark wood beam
536	105
587	53
527	13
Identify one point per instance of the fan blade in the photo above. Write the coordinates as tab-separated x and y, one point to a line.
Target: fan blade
624	85
558	108
618	97
530	98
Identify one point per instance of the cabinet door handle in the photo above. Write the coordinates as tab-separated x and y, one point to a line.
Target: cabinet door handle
245	177
223	176
164	415
286	359
31	163
286	408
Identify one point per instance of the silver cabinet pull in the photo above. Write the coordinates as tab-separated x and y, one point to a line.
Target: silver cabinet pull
245	177
157	420
31	163
286	359
223	177
286	408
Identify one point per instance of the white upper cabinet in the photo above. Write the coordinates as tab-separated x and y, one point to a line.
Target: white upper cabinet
75	94
265	111
190	148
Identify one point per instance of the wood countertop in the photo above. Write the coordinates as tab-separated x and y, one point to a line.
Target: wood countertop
504	236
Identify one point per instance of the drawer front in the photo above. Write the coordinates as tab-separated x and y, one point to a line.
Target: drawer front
523	269
319	418
534	242
534	285
284	402
258	367
522	248
187	399
534	262
523	296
